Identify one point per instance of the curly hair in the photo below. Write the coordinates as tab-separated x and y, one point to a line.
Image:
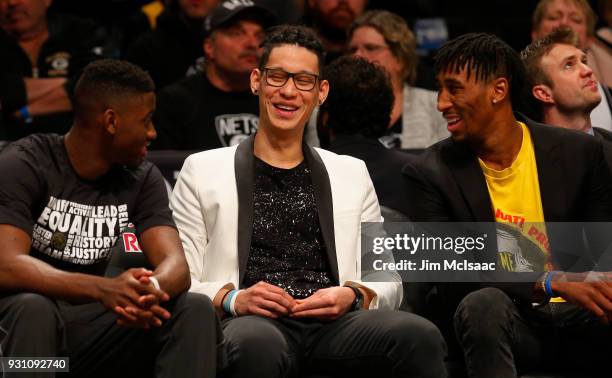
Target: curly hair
291	35
397	35
360	97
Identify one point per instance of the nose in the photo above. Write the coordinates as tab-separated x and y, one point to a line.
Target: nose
444	103
252	41
586	70
359	52
289	89
151	132
564	21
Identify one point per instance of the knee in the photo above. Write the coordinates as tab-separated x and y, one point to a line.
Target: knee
252	337
254	341
35	309
197	304
485	312
194	316
34	325
413	332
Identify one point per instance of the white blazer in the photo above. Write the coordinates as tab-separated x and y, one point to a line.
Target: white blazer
212	203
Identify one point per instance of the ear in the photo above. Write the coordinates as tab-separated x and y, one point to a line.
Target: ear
500	89
208	48
256	81
543	93
111	121
323	91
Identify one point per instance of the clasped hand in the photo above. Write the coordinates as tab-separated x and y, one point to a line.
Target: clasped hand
133	297
271	301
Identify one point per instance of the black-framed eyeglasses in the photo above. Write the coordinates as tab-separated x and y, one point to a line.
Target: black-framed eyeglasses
303	81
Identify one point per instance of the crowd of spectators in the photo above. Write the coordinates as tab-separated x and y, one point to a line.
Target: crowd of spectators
205	74
47	43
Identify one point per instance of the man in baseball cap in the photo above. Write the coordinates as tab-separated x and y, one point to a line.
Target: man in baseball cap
216	108
230	11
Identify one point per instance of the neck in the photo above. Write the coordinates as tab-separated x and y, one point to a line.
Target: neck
31	42
85	153
279	150
500	147
574	121
226	81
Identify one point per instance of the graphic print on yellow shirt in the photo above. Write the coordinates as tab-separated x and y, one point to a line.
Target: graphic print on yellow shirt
515	198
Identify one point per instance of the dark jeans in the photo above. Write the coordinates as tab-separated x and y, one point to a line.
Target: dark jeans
185	346
373	343
501	340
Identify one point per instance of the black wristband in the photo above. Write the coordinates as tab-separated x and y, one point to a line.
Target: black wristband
358	302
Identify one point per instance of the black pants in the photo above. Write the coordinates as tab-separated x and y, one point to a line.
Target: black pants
185	346
374	343
502	340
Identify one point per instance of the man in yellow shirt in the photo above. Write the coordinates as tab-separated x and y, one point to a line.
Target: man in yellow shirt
517	174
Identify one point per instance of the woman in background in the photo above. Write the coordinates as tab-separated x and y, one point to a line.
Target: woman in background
385	38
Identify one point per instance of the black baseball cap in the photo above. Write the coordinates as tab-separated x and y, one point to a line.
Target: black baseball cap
228	10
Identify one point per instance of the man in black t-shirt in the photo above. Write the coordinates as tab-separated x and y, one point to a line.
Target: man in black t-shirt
216	109
175	44
64	202
42	56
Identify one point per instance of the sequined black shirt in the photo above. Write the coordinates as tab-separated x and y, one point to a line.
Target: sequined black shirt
287	248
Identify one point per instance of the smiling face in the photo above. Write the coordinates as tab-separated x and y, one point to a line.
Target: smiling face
133	129
287	108
466	104
574	87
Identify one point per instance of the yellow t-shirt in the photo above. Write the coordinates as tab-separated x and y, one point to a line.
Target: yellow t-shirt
516	202
517	205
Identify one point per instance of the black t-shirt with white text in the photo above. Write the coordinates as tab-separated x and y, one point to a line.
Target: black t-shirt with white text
192	114
74	223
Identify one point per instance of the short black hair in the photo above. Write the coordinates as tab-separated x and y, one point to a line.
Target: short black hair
105	80
360	97
485	56
291	35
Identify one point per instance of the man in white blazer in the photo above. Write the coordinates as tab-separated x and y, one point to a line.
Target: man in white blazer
271	230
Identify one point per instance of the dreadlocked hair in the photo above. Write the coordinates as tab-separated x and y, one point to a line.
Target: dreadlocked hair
486	57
